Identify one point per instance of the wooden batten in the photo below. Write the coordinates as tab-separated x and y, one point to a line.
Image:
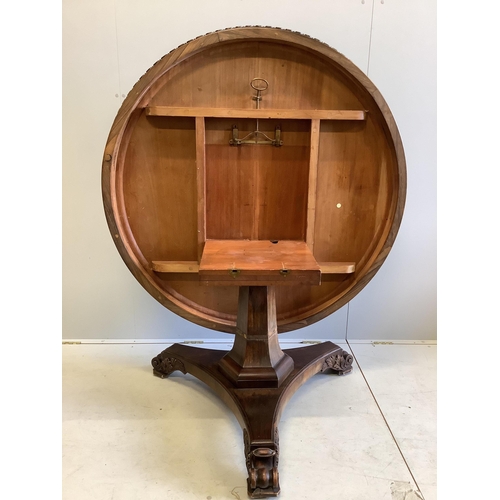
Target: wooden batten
284	114
192	267
201	182
175	266
313	181
337	267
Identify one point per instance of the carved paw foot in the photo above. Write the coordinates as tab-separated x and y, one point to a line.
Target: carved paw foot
262	466
164	365
339	363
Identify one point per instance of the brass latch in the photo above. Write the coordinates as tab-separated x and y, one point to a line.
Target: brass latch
235	141
273	142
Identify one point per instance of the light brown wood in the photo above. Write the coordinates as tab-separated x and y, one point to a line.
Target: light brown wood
175	266
194	267
337	267
201	182
313	181
283	114
151	185
353	199
249	262
257	192
160	219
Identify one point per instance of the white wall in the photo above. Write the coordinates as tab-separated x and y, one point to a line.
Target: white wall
109	44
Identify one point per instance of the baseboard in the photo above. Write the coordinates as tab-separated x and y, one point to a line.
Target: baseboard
283	342
228	341
392	342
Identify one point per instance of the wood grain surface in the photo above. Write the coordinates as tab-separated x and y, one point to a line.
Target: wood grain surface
170	179
258	262
285	114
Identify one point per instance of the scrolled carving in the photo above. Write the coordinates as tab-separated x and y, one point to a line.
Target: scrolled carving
262	466
165	365
341	363
246	443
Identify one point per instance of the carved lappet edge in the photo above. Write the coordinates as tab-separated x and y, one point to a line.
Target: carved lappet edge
340	363
262	466
164	365
276	446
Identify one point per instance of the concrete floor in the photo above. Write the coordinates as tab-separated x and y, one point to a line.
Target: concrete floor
128	435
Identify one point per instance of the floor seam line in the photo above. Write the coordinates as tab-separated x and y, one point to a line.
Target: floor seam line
385	420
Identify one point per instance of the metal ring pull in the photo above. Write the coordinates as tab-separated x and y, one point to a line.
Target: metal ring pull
257	88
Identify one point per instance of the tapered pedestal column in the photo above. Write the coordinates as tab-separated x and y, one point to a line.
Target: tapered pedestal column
255	379
256	359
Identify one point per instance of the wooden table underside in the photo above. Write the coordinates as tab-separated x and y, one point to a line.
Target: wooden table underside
175	185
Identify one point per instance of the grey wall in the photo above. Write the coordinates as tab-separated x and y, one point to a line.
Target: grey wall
109	44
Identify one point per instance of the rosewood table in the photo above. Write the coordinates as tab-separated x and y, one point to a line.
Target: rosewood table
254	182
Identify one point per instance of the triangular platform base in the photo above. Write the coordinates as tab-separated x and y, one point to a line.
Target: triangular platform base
257	409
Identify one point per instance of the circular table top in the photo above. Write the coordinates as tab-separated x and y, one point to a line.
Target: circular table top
253	133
